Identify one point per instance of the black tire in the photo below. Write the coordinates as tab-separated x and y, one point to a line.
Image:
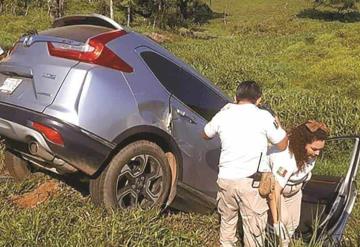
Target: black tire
94	186
139	175
17	167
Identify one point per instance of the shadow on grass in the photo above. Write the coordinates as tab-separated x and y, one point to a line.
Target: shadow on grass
218	15
326	15
76	181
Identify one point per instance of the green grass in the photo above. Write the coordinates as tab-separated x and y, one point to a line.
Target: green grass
307	62
69	219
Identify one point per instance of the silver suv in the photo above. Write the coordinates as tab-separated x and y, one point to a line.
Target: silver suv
89	97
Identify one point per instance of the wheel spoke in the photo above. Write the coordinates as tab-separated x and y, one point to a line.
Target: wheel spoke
153	175
127	197
153	187
140	182
127	172
149	196
146	203
155	170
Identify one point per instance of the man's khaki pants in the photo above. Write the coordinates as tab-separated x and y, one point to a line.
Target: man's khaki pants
290	210
239	195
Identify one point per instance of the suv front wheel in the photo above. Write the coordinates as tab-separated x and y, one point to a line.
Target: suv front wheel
139	175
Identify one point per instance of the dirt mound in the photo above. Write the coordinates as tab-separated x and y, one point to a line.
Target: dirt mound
157	37
39	195
4	174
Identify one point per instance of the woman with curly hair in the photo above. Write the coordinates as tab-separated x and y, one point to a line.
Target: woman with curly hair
291	168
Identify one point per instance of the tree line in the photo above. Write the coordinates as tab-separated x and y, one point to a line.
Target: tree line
55	8
159	12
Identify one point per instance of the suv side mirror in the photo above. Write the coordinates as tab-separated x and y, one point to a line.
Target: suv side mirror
2	52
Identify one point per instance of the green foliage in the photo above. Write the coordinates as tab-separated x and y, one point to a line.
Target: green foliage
10	31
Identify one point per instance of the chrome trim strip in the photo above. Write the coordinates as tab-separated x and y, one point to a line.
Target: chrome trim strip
21	133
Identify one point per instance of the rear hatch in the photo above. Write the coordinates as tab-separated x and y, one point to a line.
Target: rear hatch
30	77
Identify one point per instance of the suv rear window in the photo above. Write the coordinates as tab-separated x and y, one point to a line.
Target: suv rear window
186	87
80	33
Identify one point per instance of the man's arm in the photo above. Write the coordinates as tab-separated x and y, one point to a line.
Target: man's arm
282	145
210	129
275	133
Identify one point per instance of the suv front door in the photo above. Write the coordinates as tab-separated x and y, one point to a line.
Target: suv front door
329	196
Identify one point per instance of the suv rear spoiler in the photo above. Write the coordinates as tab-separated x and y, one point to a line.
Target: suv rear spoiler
93	19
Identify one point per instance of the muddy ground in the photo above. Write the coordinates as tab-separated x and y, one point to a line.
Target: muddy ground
31	199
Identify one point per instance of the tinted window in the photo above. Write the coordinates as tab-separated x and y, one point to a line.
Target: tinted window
186	87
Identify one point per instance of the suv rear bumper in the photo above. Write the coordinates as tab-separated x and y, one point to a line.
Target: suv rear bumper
20	133
81	149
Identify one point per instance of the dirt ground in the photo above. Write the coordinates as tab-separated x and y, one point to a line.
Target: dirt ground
157	37
39	195
42	193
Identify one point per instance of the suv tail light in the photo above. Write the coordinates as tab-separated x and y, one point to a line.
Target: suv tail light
12	49
94	51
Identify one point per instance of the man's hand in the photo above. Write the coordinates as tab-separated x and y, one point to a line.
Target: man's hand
280	230
283	144
205	136
277	120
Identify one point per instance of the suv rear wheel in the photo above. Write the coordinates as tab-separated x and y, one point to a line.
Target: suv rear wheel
139	175
17	167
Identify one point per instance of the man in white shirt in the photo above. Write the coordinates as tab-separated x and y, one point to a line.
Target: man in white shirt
244	131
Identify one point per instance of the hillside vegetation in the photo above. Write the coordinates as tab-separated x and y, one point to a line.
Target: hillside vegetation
307	61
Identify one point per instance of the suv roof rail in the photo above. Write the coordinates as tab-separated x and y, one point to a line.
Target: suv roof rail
93	19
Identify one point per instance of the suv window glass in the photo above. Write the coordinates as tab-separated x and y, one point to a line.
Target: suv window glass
79	33
186	87
335	158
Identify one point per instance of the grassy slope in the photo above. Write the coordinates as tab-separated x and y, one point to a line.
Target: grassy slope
303	61
267	41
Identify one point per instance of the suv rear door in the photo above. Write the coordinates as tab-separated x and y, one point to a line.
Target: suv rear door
192	104
30	77
328	198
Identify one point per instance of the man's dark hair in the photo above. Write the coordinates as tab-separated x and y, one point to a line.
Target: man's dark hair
248	90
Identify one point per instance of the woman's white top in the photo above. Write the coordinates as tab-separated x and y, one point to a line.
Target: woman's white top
283	166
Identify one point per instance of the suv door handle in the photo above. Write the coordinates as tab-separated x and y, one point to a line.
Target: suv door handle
180	112
183	114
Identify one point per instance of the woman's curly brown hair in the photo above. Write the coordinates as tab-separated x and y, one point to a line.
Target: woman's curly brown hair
303	134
